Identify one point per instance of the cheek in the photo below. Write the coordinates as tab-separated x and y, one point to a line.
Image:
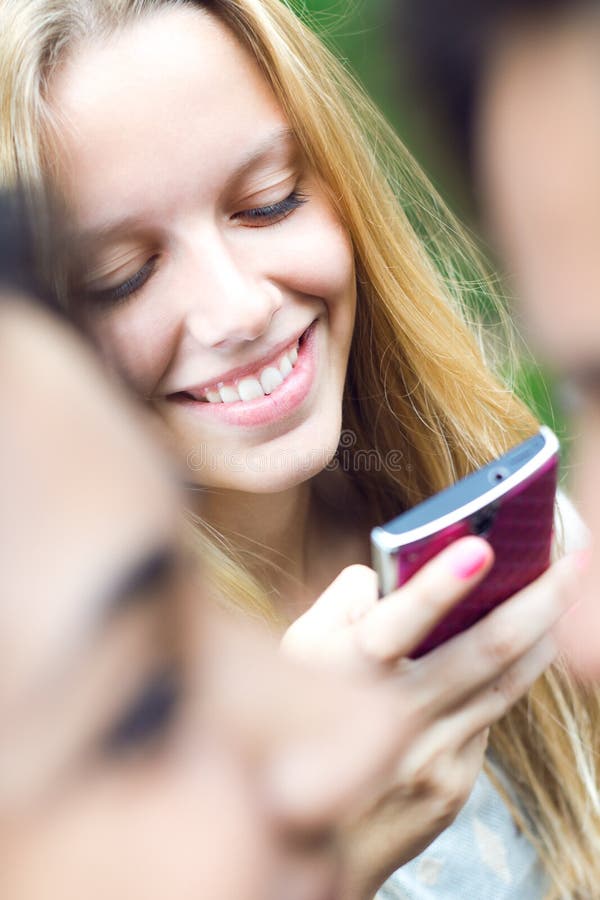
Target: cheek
316	257
151	838
139	341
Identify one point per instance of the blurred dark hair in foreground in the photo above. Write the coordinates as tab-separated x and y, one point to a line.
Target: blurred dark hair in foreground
21	270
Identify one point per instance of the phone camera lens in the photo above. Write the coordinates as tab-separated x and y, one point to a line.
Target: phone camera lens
482	521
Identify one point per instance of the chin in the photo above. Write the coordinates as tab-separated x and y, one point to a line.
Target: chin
262	470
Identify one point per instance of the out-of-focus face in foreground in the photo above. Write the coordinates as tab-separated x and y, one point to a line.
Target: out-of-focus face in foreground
147	750
539	151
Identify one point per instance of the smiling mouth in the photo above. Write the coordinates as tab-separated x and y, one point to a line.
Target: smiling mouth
265	380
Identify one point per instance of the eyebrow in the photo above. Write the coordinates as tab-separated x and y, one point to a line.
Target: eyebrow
138	585
274	142
140	582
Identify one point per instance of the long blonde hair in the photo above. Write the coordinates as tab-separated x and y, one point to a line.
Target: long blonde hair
418	388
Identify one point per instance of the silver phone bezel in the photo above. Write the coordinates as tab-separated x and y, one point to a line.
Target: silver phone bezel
384	544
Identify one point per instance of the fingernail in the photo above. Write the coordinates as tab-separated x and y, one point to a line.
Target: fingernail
468	558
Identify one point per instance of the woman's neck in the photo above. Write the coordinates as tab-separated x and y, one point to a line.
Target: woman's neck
296	541
271	532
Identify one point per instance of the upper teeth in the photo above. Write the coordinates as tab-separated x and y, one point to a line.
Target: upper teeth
251	387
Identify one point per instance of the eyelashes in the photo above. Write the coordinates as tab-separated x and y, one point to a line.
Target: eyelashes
259	217
273	213
147	718
113	296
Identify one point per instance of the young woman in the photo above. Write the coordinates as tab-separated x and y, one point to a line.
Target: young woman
249	268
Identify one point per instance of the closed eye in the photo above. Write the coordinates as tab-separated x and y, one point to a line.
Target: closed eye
113	295
148	717
261	216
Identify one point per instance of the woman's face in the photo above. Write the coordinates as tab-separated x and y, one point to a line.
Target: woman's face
112	783
217	273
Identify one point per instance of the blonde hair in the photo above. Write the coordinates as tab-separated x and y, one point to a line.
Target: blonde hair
417	383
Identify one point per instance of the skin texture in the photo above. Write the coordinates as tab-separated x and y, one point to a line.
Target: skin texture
224	291
538	146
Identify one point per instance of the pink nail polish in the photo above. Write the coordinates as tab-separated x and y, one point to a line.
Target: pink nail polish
468	558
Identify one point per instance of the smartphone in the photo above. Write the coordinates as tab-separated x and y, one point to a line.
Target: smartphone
509	502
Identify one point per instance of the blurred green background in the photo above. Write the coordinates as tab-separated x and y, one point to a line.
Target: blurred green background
359	33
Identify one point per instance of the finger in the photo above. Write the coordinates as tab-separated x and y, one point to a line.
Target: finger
476	745
471	756
397	624
496	699
347	599
443	769
481	654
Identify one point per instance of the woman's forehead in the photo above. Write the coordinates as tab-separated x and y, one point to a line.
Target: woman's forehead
166	107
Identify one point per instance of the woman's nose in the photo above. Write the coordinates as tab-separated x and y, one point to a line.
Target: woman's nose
234	301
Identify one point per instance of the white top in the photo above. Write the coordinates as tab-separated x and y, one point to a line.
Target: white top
481	856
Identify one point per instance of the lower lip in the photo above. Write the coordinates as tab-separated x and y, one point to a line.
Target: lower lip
284	400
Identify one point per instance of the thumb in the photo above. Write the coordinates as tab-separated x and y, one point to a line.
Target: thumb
348	598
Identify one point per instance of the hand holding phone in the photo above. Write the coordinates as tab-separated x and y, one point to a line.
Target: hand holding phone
509	502
443	704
